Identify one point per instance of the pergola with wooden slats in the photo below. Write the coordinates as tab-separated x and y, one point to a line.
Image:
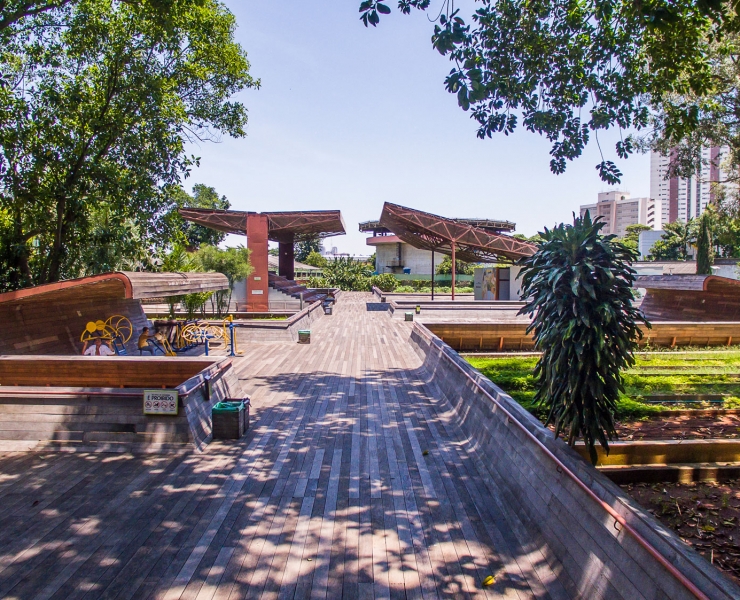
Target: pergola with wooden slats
289	226
285	228
457	239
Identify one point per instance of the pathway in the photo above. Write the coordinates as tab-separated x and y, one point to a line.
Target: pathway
353	482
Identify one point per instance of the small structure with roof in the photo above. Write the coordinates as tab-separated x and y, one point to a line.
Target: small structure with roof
285	228
393	255
470	240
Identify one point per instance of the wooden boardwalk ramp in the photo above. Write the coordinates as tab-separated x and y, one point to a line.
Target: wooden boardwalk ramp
354	482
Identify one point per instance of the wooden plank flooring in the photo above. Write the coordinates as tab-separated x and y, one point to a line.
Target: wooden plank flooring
353	482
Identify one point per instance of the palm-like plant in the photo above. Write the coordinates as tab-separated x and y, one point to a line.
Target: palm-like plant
578	288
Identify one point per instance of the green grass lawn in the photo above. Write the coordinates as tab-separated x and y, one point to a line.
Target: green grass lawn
654	374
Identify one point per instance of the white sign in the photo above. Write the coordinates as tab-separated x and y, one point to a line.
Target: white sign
160	402
257	291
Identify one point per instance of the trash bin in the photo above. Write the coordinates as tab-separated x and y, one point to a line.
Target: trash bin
418	309
409	316
246	402
382	299
228	419
304	336
327	309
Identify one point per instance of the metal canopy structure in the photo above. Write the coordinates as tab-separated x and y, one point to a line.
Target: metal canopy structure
458	238
489	225
449	236
294	226
285	228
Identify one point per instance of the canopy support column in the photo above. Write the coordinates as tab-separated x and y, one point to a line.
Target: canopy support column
453	270
257	290
432	274
286	257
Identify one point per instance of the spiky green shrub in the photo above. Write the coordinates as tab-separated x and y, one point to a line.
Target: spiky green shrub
578	289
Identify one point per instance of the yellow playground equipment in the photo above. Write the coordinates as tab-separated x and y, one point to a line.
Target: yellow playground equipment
165	343
113	327
201	332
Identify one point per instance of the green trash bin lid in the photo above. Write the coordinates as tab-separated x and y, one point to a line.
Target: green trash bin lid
304	331
227	406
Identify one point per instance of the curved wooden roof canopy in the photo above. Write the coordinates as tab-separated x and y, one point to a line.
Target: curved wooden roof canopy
282	226
431	232
126	284
688	283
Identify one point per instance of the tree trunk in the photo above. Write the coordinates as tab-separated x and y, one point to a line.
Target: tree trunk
54	266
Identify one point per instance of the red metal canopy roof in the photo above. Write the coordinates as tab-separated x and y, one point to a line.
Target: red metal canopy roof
301	224
432	232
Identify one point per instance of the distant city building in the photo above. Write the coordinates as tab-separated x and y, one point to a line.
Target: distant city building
395	256
681	198
619	211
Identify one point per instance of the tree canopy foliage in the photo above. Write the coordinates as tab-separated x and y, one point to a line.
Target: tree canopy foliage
461	268
578	290
314	259
676	241
203	197
97	101
567	70
631	237
232	262
305	247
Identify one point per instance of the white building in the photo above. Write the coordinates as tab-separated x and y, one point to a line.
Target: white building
683	198
620	210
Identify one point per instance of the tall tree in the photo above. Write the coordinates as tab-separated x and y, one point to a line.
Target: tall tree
704	250
95	111
569	69
578	289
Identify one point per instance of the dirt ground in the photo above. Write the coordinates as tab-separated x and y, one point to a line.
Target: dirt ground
681	427
705	515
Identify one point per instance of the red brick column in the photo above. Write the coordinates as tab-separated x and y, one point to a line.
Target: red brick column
257	289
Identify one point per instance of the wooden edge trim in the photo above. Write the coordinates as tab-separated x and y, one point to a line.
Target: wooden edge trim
70	283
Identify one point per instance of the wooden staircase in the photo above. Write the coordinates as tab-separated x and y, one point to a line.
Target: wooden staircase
293	289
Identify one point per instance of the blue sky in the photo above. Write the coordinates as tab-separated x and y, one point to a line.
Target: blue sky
349	117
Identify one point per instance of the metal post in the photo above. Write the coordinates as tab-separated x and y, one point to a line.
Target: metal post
432	274
231	338
453	271
206	346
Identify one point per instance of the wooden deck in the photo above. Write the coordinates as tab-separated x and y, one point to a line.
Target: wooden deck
353	482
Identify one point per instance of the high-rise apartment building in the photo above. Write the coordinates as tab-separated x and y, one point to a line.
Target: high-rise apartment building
681	198
619	210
